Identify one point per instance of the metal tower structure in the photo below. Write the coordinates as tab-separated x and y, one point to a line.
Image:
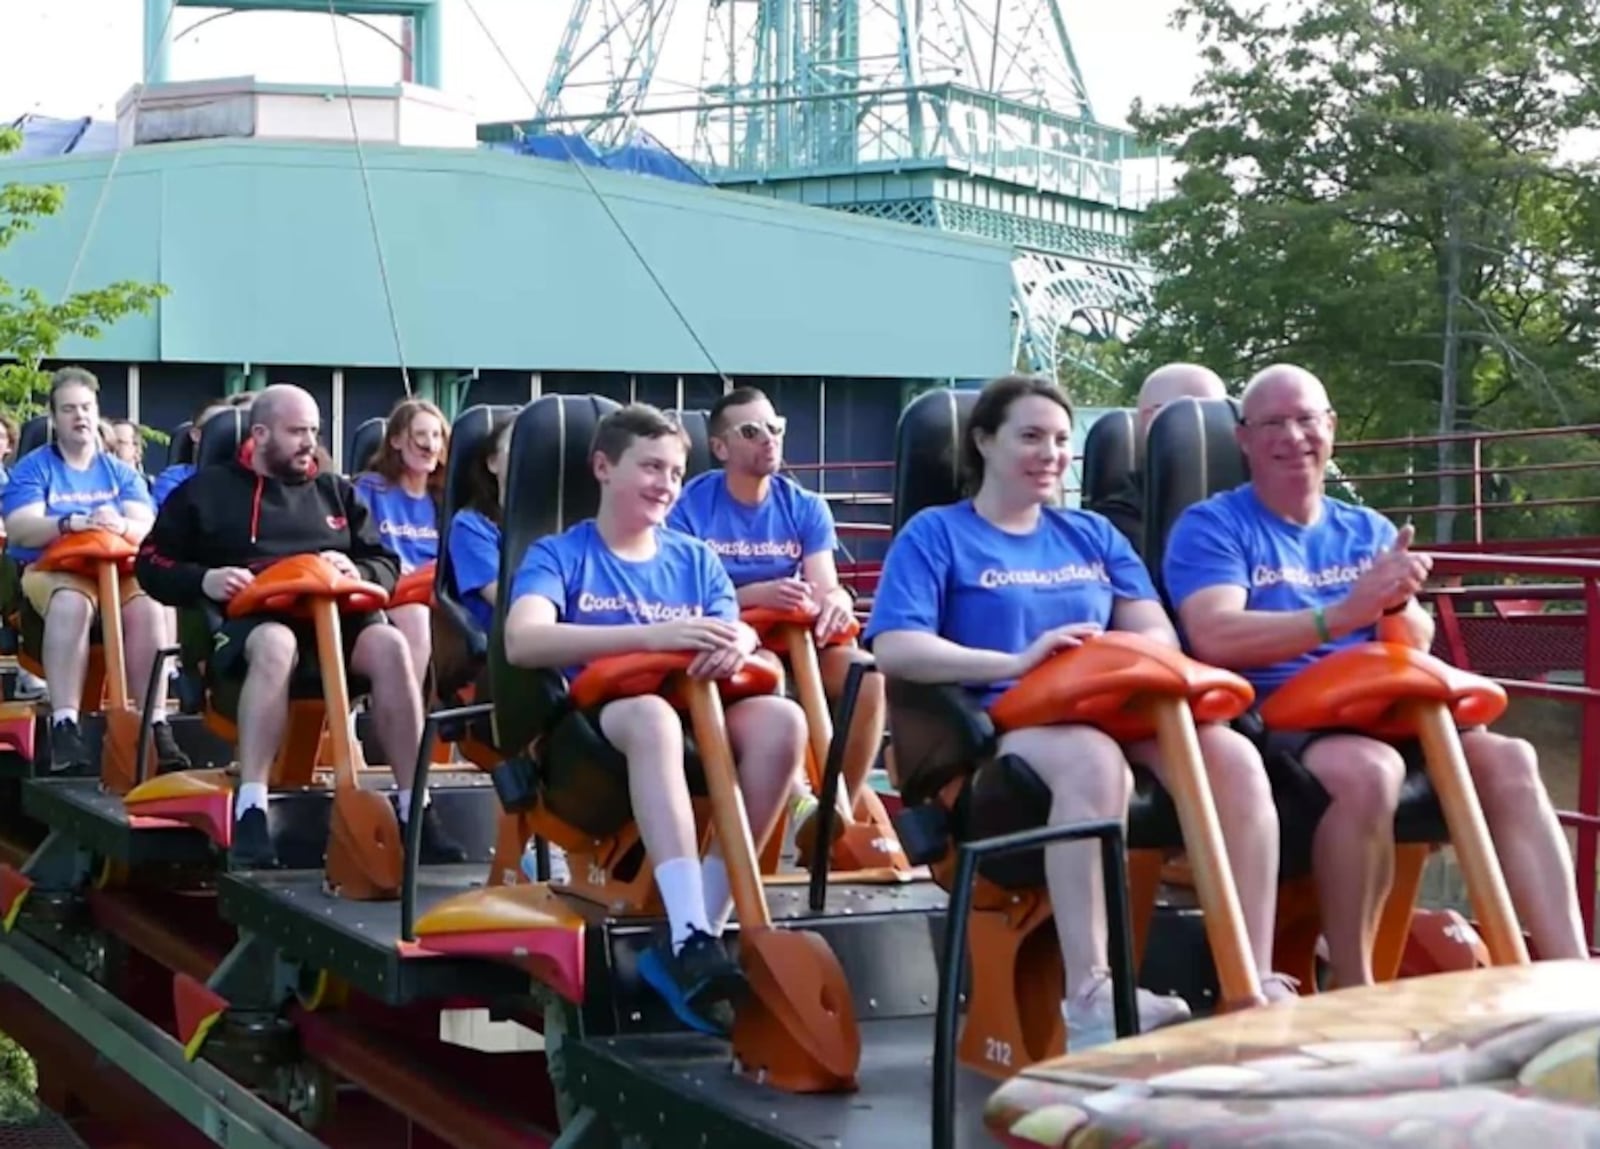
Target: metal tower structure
965	115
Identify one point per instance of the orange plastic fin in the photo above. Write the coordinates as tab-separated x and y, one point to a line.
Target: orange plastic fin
414	588
288	586
1102	682
632	675
196	1008
523	925
82	553
14	887
1364	688
199	798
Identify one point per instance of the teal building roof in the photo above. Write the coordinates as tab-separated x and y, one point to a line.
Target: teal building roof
500	261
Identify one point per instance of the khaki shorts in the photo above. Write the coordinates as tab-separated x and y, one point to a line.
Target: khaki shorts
39	587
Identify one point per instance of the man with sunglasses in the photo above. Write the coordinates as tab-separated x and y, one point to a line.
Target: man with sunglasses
1125	505
776	540
1275	574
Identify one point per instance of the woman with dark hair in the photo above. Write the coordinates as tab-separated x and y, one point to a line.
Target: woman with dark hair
403	489
982	591
474	538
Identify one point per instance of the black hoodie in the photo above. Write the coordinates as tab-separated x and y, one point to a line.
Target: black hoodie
226	515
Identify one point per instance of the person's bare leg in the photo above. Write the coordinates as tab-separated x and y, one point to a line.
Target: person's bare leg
1531	844
270	656
1352	852
1088	779
381	656
768	737
414	622
144	631
64	653
1249	823
865	736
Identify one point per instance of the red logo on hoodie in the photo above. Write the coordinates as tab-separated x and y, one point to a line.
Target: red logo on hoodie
337	522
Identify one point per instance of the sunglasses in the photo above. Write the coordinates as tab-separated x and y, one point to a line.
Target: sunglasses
756	429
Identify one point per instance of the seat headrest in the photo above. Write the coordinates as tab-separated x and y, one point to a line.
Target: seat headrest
458	660
1192	454
34	434
180	448
364	445
1111	452
927	451
550	486
221	437
697	424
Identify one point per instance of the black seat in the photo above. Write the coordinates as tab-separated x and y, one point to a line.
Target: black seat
459	643
181	445
937	734
34	434
364	445
1112	454
1193	453
550	487
221	437
697	424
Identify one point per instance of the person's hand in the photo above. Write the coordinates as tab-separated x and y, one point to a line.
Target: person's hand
341	563
1394	576
108	518
717	664
1054	641
225	582
786	594
696	634
836	615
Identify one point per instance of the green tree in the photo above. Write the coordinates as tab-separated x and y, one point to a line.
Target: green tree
1378	190
31	326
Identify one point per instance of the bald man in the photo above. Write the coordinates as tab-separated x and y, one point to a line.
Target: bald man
1274	575
1125	505
232	520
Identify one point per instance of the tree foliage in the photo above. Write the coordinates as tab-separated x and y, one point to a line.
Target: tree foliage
1388	193
32	327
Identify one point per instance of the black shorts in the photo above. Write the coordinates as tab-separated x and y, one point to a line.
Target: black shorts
228	661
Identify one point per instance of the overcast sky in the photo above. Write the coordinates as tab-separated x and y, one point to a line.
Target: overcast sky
77	57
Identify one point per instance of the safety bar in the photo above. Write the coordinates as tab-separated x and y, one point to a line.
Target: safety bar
419	792
147	716
1119	945
832	771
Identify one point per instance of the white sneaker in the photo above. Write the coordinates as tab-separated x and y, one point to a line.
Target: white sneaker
1276	987
1091	1019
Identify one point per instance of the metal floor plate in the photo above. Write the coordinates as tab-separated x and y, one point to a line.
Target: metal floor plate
680	1091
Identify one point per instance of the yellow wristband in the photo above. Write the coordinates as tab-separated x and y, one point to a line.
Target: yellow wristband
1320	617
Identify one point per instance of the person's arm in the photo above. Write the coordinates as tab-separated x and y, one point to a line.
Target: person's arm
373	561
164	567
918	656
536	639
1136	607
1143	616
133	498
474	557
28	521
1413	626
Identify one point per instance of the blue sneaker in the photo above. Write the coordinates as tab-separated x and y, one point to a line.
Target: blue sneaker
699	983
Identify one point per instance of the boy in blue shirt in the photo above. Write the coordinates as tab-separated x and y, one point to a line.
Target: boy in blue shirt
1272	576
65	487
776	540
620	583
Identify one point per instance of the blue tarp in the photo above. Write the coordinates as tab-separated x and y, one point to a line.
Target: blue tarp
643	154
44	136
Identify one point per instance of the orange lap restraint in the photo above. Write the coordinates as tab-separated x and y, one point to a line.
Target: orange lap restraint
415	588
632	675
1363	688
82	553
1100	682
290	585
766	622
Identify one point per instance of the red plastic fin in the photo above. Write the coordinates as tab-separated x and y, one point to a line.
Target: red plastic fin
554	957
211	814
197	1007
14	887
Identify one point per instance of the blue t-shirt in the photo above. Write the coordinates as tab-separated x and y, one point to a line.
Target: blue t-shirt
169	480
474	544
953	573
1231	539
591	586
760	543
408	524
43	476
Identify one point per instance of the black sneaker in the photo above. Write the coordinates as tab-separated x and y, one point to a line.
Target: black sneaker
700	983
438	847
169	755
252	842
68	751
